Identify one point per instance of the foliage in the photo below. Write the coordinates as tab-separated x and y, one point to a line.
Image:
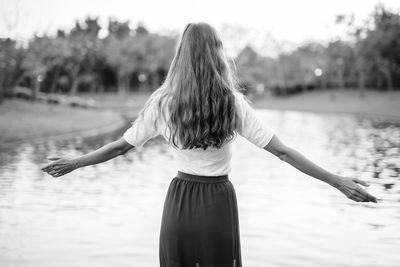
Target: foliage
81	61
371	59
380	49
11	69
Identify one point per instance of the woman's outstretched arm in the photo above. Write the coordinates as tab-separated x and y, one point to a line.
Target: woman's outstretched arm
61	166
348	186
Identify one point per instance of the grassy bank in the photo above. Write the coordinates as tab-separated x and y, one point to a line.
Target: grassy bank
128	104
23	120
376	104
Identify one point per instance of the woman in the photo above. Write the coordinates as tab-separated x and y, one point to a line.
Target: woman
198	111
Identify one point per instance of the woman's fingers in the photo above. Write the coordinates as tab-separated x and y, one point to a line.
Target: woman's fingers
362	196
366	195
51	164
57	173
48	166
62	172
53	158
357	198
53	172
55	169
370	197
361	182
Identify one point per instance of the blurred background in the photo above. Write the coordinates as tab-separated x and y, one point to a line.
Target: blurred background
325	76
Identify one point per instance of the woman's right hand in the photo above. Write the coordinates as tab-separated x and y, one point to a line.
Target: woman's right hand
60	166
350	188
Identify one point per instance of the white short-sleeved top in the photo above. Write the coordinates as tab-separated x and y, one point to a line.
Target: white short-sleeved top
209	162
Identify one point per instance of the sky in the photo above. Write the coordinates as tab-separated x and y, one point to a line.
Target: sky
286	22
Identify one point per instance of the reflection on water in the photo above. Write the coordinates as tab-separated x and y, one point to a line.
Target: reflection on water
110	214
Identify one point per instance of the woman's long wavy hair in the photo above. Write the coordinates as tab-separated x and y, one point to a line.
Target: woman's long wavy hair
198	91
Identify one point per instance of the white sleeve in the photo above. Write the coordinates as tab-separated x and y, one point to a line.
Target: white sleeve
143	128
250	125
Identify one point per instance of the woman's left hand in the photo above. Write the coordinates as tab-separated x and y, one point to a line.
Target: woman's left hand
350	188
60	166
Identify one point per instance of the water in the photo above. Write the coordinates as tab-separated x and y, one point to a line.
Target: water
110	214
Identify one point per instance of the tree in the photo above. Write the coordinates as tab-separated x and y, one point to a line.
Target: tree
117	29
249	66
84	47
140	54
44	55
341	60
11	70
376	48
381	46
159	53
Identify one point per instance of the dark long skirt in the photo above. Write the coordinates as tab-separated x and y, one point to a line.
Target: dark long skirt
200	226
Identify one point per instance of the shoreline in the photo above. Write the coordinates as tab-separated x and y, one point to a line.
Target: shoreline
384	106
385	118
22	122
96	131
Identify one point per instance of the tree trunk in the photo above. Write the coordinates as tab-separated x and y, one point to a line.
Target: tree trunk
54	83
324	81
128	83
384	68
379	83
100	89
2	88
75	82
340	72
93	87
74	86
155	81
361	84
36	90
388	76
120	85
361	77
304	87
281	75
341	78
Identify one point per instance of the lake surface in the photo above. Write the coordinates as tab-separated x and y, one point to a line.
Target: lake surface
110	214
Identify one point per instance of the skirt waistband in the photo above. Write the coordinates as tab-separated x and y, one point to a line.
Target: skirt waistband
202	179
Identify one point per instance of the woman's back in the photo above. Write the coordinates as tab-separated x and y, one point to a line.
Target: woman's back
211	161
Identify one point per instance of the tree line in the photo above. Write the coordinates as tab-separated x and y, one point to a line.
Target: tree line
80	61
369	58
130	59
